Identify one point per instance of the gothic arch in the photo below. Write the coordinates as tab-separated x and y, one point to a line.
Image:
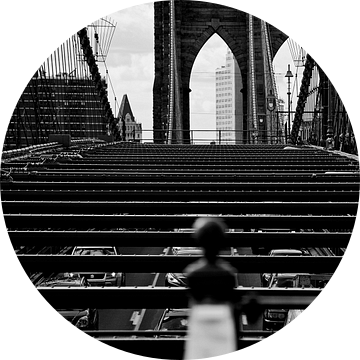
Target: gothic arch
203	39
195	23
196	48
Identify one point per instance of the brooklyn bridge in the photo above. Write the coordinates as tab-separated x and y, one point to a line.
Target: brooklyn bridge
80	176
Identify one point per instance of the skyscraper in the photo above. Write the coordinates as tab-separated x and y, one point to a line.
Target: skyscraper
229	116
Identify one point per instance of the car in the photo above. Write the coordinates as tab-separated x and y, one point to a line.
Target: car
264	250
289	252
292	314
83	319
274	319
265	278
179	279
173	319
307	280
100	278
176	279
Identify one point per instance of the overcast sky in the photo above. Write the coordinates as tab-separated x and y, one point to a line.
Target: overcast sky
130	63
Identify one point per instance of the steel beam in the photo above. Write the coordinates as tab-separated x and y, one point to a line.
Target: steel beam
147	176
172	238
150	195
149	333
203	161
174	263
76	166
179	207
181	186
162	297
116	221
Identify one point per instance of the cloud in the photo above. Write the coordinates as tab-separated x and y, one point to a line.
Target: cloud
134	30
130	62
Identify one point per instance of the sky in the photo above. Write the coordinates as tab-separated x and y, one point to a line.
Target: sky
130	64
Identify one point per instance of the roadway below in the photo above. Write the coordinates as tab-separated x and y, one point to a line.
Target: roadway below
146	319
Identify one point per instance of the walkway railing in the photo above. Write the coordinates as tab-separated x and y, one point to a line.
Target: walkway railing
217	137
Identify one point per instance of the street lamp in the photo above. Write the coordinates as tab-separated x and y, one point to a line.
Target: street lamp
288	76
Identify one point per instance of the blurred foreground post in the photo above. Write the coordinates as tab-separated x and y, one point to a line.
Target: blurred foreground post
211	329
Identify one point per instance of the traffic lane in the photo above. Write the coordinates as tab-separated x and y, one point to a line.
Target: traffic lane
140	278
136	250
151	317
249	280
144	319
125	319
116	319
130	319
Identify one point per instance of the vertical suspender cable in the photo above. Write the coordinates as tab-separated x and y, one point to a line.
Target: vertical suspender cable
177	107
269	59
304	92
272	85
171	64
253	111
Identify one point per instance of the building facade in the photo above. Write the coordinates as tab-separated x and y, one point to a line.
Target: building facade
131	130
229	102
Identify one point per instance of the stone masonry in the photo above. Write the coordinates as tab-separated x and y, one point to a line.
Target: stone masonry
196	22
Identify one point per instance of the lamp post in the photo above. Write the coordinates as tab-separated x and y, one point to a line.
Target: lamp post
288	76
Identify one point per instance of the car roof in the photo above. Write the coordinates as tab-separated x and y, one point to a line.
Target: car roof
286	251
63	281
177	312
94	247
188	250
286	275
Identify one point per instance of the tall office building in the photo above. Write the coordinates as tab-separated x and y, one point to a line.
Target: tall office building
229	113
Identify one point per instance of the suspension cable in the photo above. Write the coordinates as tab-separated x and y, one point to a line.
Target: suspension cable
252	77
304	92
108	79
270	64
172	76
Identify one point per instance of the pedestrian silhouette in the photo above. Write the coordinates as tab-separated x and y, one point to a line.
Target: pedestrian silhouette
211	281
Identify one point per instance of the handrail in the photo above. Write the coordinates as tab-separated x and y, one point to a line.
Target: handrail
163	297
175	238
180	207
252	99
175	263
82	222
160	334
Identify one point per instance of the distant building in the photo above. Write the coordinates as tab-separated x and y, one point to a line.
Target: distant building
127	123
229	117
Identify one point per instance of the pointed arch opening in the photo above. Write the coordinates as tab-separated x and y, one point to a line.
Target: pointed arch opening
215	99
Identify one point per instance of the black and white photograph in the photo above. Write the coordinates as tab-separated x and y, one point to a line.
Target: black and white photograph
179	180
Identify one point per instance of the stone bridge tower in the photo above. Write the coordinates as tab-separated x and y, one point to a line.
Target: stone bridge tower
182	27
